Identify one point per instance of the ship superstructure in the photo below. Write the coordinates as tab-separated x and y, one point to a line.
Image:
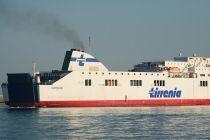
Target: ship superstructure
84	81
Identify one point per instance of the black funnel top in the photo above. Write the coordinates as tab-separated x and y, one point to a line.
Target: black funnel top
67	59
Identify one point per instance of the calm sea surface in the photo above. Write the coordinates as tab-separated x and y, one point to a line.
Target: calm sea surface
189	122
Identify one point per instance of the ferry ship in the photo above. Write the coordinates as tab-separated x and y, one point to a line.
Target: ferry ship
84	81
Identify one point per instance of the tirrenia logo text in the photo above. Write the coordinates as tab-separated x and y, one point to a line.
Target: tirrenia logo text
158	93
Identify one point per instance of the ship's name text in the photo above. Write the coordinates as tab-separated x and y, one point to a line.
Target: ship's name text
157	93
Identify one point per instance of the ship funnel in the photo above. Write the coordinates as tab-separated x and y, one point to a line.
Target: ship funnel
194	55
77	60
180	54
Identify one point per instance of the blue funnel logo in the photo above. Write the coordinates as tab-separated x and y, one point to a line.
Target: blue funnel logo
83	60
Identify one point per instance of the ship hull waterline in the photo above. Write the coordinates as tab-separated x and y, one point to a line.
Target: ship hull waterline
112	103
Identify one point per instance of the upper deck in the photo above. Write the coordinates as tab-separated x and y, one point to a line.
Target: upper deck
188	67
179	67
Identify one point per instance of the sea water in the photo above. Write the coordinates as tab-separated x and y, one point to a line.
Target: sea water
175	122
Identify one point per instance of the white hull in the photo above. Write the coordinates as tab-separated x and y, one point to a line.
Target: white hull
73	89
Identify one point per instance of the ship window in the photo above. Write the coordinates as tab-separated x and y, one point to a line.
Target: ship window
159	82
135	82
106	82
202	75
111	82
209	75
203	83
155	82
131	82
115	82
87	82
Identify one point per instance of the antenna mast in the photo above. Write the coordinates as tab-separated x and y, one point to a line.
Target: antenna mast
89	41
89	44
34	68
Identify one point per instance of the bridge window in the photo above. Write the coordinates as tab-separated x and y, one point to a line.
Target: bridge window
204	83
159	82
136	83
111	82
87	82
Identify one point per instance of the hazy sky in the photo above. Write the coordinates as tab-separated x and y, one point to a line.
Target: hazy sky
123	32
